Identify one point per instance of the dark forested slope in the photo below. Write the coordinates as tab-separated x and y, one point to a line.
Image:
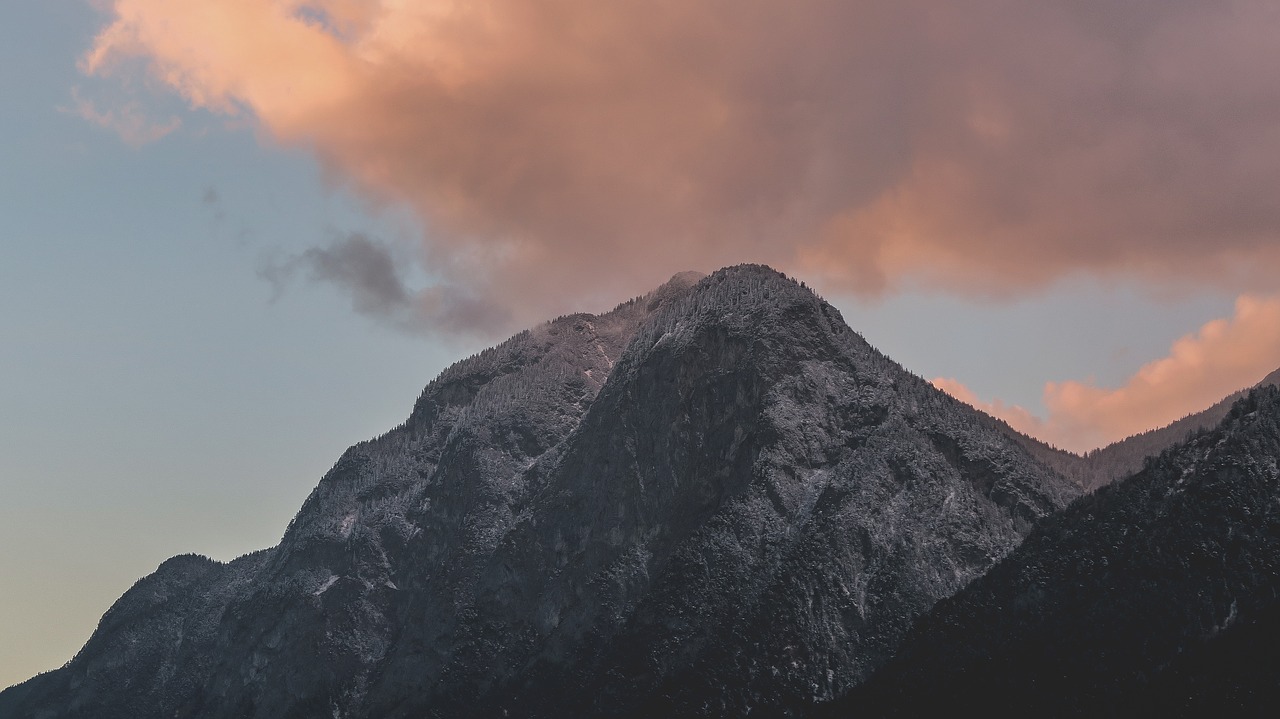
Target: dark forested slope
1157	593
714	499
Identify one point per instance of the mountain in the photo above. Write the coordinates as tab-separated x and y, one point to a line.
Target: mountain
714	499
1125	457
1157	595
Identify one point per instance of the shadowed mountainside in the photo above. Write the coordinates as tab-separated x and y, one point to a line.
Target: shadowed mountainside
713	499
1157	595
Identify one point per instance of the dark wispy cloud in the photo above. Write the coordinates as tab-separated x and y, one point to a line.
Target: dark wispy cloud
368	271
212	199
566	152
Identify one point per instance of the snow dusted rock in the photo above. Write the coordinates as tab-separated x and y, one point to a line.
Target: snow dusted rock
714	498
1158	595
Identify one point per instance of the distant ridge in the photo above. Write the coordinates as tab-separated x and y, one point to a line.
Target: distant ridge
1120	459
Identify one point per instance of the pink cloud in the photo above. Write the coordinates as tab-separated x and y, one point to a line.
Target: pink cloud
562	152
128	120
1014	415
1201	368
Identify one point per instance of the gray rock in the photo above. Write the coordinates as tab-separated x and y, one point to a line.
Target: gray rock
1158	595
715	498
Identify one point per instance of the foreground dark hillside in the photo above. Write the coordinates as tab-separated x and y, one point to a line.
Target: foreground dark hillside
1157	595
714	499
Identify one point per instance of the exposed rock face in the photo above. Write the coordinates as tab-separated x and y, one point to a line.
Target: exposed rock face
1156	595
713	499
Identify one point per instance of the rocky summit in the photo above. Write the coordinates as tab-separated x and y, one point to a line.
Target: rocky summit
715	499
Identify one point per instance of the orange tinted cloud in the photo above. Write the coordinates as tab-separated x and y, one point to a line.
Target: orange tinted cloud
127	120
569	151
1224	356
1014	415
1201	368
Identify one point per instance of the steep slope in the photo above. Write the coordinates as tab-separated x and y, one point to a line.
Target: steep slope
213	635
1152	592
752	511
714	499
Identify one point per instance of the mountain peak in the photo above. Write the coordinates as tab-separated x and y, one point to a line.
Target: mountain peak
688	278
711	499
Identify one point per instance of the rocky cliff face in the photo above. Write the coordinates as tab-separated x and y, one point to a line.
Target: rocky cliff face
715	498
1158	595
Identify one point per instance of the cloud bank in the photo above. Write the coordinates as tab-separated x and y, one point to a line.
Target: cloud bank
1201	368
568	151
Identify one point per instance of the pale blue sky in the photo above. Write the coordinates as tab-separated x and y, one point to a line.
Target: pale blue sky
155	400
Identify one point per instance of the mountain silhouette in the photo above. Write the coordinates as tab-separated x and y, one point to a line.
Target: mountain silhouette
714	499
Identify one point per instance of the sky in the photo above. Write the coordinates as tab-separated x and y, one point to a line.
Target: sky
238	236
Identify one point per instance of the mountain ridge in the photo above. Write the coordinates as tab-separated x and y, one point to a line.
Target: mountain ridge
1151	592
1099	467
607	511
